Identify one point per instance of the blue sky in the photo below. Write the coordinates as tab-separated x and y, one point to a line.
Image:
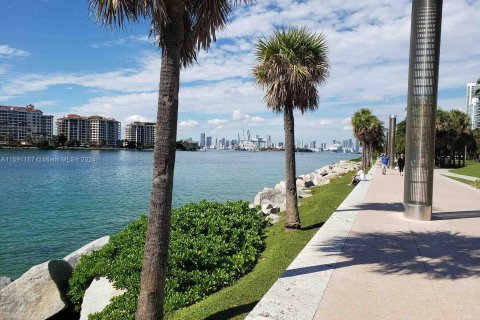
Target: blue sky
54	55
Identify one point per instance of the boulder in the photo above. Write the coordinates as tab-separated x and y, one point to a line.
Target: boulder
268	208
273	218
74	257
304	193
4	281
301	183
251	206
38	294
320	181
281	186
98	296
267	194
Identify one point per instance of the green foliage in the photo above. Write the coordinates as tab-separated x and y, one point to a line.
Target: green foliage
290	65
400	133
212	245
477	183
236	301
187	145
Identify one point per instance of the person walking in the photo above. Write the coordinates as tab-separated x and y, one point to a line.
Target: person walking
401	164
384	160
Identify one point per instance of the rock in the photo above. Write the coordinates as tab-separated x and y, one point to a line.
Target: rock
269	208
38	294
267	194
251	206
273	218
281	186
98	296
304	193
4	281
320	181
74	257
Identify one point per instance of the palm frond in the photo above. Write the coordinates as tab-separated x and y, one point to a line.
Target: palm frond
290	65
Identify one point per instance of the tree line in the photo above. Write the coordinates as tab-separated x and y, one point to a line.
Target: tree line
455	140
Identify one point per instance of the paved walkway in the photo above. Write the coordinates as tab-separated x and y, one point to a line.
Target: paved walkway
368	262
446	172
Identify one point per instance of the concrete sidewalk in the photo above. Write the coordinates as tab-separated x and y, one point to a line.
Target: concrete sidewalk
447	172
385	266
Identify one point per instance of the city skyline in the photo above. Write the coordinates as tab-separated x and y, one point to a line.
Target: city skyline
116	74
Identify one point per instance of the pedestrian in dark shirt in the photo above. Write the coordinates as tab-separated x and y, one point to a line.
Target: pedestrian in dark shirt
401	164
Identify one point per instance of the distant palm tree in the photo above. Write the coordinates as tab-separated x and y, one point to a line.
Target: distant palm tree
462	129
181	28
361	122
290	66
477	92
369	130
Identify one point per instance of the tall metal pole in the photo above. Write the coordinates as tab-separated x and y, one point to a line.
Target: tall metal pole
422	107
391	141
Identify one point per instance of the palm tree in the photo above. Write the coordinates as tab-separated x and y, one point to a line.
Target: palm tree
460	124
181	29
290	66
361	122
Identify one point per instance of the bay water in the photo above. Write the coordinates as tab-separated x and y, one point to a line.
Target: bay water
55	201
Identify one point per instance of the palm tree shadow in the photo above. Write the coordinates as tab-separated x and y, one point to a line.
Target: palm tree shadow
443	255
377	206
313	226
232	312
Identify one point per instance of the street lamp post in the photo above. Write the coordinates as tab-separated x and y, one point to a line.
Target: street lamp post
422	107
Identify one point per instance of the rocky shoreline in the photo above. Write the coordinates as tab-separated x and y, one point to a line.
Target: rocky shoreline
273	200
40	293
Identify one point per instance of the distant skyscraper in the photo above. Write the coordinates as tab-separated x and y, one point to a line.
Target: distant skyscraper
473	105
209	142
202	140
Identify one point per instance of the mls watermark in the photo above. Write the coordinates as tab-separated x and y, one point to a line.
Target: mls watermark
48	159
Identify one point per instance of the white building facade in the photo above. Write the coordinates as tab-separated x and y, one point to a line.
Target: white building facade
24	124
141	133
473	105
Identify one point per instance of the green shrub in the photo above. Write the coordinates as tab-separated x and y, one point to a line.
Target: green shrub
477	183
212	244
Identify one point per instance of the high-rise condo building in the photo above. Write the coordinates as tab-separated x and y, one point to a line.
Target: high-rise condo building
141	133
473	105
24	123
202	140
97	130
209	142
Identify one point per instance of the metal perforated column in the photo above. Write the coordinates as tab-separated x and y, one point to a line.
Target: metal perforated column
422	107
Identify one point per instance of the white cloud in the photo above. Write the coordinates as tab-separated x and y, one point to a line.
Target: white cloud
217	122
188	124
9	52
369	47
135	118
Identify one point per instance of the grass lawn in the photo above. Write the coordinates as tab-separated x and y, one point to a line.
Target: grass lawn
469	182
236	301
472	169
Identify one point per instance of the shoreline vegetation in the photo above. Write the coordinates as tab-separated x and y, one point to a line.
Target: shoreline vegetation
237	296
282	246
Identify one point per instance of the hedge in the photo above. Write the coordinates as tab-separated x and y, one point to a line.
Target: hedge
212	244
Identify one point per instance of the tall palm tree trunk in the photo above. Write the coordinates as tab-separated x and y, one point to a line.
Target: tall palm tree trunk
292	218
364	156
464	154
154	271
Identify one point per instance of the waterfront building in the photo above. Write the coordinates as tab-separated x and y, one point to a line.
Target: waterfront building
24	123
97	130
473	105
141	133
